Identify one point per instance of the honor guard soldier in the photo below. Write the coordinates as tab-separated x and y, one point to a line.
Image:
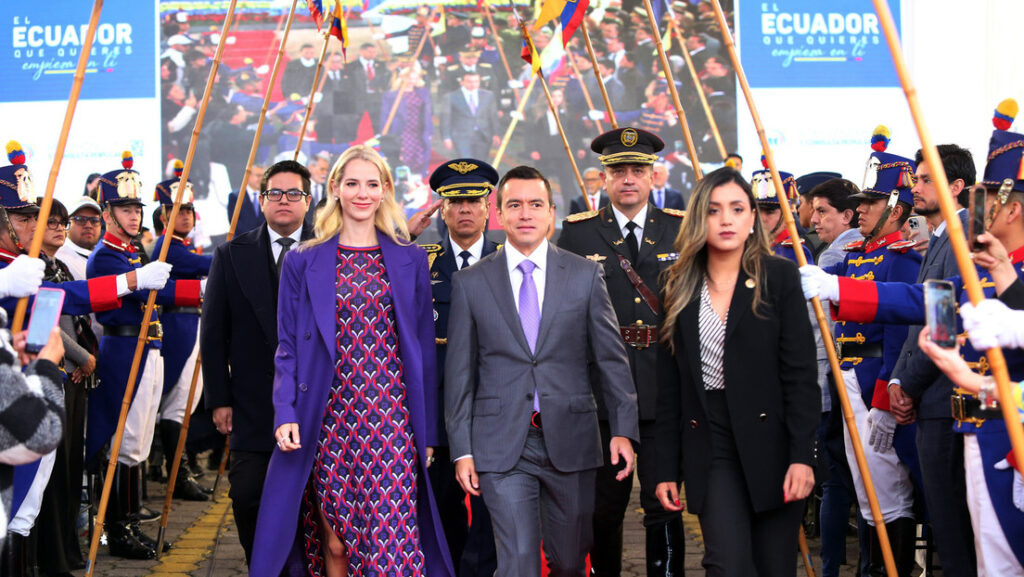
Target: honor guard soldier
770	212
997	518
465	185
18	215
868	351
181	328
633	240
120	198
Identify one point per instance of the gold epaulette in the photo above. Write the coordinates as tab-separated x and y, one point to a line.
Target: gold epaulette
902	246
854	246
432	248
674	212
581	216
789	242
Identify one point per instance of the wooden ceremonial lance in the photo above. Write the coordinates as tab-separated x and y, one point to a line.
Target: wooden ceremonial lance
698	87
819	312
805	552
691	149
259	125
497	44
954	228
600	78
401	82
554	111
583	86
512	125
58	155
317	80
140	345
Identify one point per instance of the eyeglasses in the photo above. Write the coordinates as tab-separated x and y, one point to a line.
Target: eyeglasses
293	194
84	220
56	223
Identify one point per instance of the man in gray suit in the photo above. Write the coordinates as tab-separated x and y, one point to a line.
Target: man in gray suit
519	404
469	119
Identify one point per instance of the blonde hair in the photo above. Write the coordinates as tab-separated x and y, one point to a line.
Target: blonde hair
682	280
388	219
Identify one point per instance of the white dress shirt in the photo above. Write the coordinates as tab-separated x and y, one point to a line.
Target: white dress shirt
276	248
539	257
639	219
475	250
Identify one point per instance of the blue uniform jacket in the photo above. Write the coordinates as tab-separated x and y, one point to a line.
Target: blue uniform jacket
180	329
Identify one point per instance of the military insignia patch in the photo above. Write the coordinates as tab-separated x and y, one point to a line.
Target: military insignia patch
618	242
579	216
674	212
463	167
668	256
596	257
649	241
629	137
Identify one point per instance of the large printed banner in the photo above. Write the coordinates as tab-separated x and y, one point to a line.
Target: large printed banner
815	44
41	43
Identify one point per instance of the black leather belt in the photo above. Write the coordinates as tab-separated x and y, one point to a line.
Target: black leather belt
858	350
155	333
183	310
968	409
639	336
535	421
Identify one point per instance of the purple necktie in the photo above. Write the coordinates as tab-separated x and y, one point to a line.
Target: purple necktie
529	313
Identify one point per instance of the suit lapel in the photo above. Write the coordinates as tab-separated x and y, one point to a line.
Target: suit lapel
321	283
652	234
742	296
501	287
688	319
554	277
253	269
611	232
399	266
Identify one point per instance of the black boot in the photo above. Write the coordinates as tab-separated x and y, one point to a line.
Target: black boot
138	512
191	460
14	560
185	486
121	540
903	538
666	549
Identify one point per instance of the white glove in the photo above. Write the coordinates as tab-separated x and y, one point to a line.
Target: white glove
22	277
818	283
1018	484
882	426
992	324
318	97
202	287
379	36
516	115
440	61
515	84
262	70
153	276
596	114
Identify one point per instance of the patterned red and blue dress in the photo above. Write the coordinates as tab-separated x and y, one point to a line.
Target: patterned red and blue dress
364	475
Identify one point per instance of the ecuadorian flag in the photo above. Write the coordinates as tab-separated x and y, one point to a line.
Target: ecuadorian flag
570	14
529	51
316	11
339	29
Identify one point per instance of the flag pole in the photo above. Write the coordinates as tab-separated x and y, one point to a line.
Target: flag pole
954	228
317	80
819	312
583	86
140	345
597	72
497	44
691	149
512	125
401	82
58	156
259	125
698	86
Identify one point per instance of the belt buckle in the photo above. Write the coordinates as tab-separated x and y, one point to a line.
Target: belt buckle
155	332
961	412
839	350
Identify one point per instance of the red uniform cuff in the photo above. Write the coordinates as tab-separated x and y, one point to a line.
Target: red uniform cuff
103	293
880	398
1012	460
186	293
858	301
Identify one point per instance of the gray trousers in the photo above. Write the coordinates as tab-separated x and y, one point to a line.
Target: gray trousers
534	502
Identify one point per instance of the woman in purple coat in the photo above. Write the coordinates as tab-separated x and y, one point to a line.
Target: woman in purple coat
354	395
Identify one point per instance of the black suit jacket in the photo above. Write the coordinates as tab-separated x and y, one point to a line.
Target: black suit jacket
599	238
238	337
771	388
247	219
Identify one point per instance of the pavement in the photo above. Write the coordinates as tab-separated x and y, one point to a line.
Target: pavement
206	542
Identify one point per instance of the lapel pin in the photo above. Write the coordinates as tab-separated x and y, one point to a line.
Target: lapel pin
649	241
618	242
596	257
749	283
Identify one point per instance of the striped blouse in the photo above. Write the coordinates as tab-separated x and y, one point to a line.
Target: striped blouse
712	342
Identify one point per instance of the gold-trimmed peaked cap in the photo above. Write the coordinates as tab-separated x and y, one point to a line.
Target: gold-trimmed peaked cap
627	145
463	178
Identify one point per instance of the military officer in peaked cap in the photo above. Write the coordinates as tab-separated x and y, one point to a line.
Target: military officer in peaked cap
633	240
181	328
464	185
122	212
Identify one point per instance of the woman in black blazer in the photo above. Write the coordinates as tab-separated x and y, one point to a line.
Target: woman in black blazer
738	400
